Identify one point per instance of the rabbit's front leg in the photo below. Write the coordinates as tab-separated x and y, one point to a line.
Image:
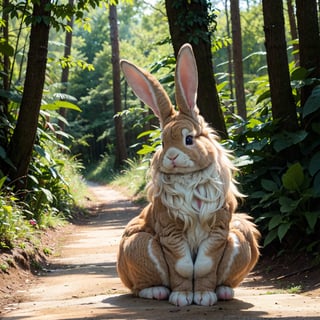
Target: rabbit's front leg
207	261
205	272
180	265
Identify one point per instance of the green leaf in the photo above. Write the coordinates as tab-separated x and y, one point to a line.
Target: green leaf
2	181
316	184
283	229
145	150
275	221
313	102
265	95
299	73
288	204
43	153
269	185
3	153
6	48
47	194
60	104
312	218
272	235
314	165
286	139
294	177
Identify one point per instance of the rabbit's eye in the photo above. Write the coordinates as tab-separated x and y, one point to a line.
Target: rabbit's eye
189	140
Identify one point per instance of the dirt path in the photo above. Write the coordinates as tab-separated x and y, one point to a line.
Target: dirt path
81	281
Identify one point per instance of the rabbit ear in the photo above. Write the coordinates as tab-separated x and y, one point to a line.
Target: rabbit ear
148	89
186	80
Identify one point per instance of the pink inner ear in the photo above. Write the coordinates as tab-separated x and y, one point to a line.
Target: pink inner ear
188	78
140	86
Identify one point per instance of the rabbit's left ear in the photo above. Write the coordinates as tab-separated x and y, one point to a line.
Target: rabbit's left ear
186	81
148	89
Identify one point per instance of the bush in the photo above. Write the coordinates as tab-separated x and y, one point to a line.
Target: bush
282	176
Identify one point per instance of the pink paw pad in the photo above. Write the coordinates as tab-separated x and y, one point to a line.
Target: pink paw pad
224	293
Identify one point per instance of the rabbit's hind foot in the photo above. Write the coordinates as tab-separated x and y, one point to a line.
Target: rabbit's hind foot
224	293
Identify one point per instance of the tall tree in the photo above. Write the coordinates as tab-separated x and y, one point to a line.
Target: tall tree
121	150
189	22
283	105
6	61
293	28
229	50
21	144
65	70
5	85
309	41
237	58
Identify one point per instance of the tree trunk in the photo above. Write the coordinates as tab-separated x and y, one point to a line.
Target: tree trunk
229	50
293	29
65	70
196	33
22	141
283	105
121	151
4	101
6	61
309	42
237	58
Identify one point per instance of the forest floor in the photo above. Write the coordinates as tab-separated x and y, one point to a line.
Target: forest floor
79	280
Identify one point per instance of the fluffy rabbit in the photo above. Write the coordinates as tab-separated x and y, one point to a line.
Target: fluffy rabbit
187	245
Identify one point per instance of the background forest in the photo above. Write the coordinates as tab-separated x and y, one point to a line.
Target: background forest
66	110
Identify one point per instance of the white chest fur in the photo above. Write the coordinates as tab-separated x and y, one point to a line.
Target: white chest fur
193	198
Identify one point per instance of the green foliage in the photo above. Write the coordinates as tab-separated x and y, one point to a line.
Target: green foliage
47	201
144	35
283	178
13	226
102	171
193	22
133	179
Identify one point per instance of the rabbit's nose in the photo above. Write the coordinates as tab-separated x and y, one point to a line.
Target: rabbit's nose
172	156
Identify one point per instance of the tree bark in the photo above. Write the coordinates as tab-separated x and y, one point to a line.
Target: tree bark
121	151
293	29
182	31
22	141
309	42
5	61
65	70
237	58
229	50
283	105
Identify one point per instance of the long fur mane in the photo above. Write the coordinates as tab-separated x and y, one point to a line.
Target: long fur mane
195	197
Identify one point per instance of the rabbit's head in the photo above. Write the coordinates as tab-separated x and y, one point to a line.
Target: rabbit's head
188	144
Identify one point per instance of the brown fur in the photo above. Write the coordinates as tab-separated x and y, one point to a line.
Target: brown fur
188	240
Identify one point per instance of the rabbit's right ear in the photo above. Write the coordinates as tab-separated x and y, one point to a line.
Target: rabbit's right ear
148	89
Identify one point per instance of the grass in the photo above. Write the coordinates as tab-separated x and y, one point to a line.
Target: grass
101	172
16	228
131	179
292	289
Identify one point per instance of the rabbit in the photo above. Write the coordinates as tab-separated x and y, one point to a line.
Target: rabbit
187	245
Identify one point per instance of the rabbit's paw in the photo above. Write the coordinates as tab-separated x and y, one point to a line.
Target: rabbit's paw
158	293
205	298
225	293
181	298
